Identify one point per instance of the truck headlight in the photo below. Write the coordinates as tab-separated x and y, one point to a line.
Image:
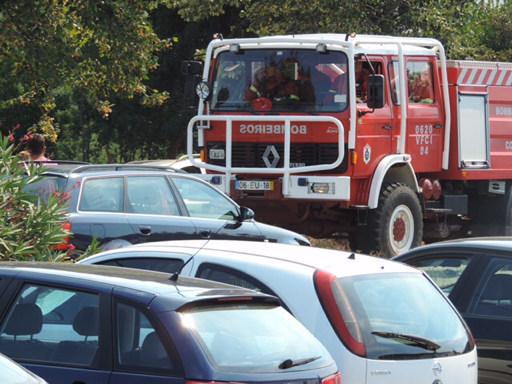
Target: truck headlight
322	188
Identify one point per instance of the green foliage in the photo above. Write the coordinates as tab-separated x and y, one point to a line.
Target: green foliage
494	32
199	10
29	228
86	71
133	131
99	47
92	249
467	28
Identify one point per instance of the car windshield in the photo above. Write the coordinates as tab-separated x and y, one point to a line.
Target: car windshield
290	79
254	338
400	316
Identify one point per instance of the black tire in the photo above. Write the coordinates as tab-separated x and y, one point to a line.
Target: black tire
396	225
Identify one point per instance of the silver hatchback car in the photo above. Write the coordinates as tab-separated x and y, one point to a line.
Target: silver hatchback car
382	321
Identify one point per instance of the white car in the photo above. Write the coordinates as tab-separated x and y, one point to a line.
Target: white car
382	321
13	373
182	163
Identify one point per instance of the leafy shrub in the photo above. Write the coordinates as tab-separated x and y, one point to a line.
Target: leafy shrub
30	224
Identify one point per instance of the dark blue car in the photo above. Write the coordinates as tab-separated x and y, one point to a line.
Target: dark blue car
71	323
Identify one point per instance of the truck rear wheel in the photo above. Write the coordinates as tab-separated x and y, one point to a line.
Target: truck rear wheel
395	225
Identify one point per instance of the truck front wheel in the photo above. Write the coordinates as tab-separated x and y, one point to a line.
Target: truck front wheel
395	225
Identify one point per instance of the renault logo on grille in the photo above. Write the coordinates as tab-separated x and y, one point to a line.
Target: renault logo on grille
271	150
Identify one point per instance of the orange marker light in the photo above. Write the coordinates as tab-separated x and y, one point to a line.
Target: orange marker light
354	158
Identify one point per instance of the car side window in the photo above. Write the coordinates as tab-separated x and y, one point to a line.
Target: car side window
153	264
102	195
151	195
493	296
227	275
445	270
202	201
139	347
49	324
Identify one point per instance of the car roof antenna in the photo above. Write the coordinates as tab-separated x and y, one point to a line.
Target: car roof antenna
176	274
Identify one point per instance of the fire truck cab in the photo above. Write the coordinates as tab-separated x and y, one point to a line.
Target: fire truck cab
376	139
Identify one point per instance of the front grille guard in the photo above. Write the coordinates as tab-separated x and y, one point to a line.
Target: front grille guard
203	123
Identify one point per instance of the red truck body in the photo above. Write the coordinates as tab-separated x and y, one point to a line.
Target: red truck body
422	151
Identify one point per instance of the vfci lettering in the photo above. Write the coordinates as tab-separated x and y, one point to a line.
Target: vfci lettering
261	129
424	138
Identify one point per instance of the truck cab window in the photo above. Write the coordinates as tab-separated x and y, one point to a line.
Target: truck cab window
420	85
394	81
362	71
280	80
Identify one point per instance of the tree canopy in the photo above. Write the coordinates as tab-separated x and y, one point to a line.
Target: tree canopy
99	47
103	77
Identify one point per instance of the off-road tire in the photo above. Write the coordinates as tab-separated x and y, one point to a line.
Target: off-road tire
395	226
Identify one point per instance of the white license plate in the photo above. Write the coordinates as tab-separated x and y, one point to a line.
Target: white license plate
255	185
217	154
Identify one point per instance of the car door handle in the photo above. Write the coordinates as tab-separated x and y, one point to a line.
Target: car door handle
205	233
145	230
387	127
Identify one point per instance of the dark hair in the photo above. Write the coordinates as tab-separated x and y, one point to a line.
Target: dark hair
36	144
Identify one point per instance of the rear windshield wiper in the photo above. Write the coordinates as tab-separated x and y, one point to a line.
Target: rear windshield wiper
289	363
418	341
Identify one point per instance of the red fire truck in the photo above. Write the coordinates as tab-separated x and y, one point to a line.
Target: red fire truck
376	139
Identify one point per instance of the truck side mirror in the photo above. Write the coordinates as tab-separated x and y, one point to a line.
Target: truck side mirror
191	96
193	70
191	67
375	91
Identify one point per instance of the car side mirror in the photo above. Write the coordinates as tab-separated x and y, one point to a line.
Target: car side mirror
375	91
246	214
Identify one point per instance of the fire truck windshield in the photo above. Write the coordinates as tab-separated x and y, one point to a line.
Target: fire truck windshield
281	80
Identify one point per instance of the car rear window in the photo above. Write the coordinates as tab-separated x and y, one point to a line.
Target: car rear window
254	338
398	316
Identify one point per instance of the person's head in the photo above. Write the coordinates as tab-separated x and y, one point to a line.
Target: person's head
24	156
36	145
273	77
359	67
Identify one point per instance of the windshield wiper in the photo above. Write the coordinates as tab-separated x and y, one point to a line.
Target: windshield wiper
289	363
418	341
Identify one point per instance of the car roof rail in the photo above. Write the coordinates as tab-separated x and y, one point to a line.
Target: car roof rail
125	167
58	162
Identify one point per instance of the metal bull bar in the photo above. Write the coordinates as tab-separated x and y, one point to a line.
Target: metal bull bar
285	170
